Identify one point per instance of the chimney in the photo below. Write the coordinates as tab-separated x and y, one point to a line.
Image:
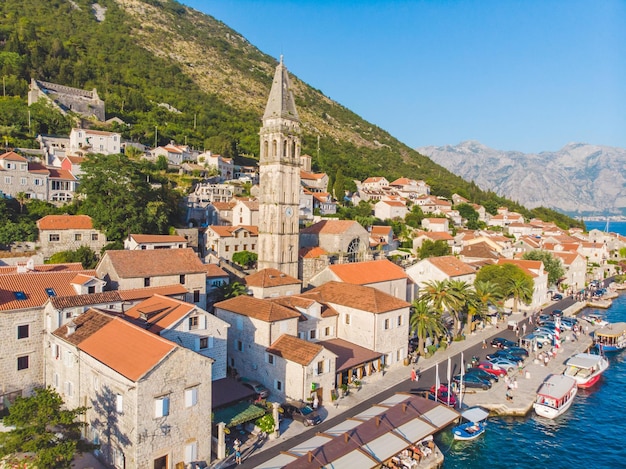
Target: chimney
71	328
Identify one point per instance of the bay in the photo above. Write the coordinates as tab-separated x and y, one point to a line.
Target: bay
589	435
614	226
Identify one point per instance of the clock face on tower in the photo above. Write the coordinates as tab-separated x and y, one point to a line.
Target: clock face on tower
288	211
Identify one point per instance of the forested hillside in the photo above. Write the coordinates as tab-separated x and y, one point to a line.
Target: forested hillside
140	53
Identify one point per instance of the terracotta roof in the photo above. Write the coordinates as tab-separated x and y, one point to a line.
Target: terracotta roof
438	221
72	266
294	349
228	231
256	308
297	301
97	132
306	175
381	230
35	288
224	205
251	204
142	293
348	354
373	179
118	344
75	159
58	173
479	250
159	312
12	156
402	181
525	265
214	270
438	235
267	278
312	252
82	279
63	302
154	262
356	296
364	273
150	238
451	266
393	203
330	227
65	222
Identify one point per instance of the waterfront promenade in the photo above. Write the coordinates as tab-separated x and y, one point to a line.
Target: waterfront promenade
377	387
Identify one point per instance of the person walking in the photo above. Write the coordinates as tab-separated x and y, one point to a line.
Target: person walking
413	375
484	344
524	329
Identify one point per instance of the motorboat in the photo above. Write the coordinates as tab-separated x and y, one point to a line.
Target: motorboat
595	319
555	396
586	368
472	424
611	338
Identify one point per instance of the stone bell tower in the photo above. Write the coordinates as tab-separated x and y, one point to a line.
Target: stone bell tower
279	179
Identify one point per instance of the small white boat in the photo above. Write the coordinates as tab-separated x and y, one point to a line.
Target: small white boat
595	319
473	425
586	368
555	396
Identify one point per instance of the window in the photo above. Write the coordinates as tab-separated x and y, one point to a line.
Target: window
38	182
191	452
23	331
399	321
56	351
226	248
320	367
23	181
68	359
53	237
69	388
78	237
236	248
191	396
91	289
347	319
68	315
55	380
119	403
270	359
327	331
146	282
206	342
252	247
50	292
23	362
7	179
94	236
240	345
312	334
19	295
193	322
387	325
162	406
278	385
181	279
196	296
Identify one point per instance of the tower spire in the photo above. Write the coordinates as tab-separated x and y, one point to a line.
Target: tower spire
280	103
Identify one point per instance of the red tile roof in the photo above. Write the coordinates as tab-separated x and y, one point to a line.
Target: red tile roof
451	266
154	262
267	278
142	293
12	156
356	296
256	308
365	273
72	266
229	231
295	350
330	227
348	354
65	222
214	270
159	312
33	285
312	252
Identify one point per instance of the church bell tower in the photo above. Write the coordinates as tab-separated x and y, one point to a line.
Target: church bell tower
279	179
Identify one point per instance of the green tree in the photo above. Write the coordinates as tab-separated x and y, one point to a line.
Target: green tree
442	298
500	275
471	215
86	256
431	248
520	289
425	323
231	290
414	217
487	294
245	259
466	303
552	264
339	187
44	427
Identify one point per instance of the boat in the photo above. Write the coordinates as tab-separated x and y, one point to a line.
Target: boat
611	338
586	368
555	396
595	319
472	424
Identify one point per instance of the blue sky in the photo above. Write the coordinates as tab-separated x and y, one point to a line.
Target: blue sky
529	75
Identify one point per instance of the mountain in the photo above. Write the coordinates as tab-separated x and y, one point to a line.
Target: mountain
579	179
142	54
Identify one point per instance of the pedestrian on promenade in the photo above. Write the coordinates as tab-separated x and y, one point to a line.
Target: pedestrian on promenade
509	394
413	375
524	329
484	344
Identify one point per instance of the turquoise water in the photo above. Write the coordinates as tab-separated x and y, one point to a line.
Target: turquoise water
590	435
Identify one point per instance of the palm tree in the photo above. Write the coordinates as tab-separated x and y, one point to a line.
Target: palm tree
487	293
466	301
425	323
442	298
521	289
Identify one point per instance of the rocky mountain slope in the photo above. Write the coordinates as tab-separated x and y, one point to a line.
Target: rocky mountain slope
579	179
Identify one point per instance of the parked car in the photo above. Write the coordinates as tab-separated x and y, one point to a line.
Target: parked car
501	342
504	363
514	357
443	396
518	351
260	390
556	312
472	381
569	320
482	374
557	297
301	412
492	369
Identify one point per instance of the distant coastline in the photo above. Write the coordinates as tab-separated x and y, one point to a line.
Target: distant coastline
615	226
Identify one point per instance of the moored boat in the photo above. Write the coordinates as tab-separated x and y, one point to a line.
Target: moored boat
586	368
473	424
611	338
595	319
555	396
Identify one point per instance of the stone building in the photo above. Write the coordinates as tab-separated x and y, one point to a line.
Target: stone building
271	283
149	412
84	141
279	168
64	98
17	175
67	233
150	241
127	270
223	241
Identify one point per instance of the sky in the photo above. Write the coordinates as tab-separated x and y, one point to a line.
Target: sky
528	76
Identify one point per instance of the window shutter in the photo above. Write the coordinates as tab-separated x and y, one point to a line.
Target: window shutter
119	403
203	321
328	365
166	406
191	397
210	341
158	407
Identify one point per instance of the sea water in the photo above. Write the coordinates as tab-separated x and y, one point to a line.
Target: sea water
614	226
590	435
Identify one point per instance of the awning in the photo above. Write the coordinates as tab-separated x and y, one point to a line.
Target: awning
475	414
237	414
